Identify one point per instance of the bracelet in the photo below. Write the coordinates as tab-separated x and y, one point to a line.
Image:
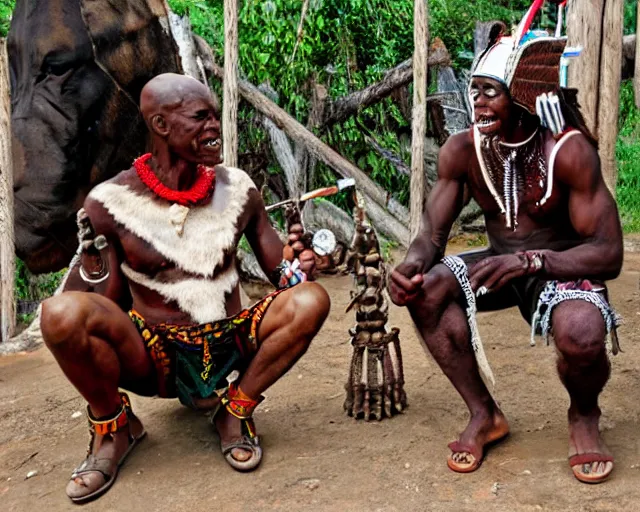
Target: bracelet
90	280
532	261
287	274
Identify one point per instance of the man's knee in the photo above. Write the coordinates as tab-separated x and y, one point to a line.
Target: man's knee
62	316
308	308
579	331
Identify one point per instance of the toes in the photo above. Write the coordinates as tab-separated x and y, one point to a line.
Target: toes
462	458
241	455
84	484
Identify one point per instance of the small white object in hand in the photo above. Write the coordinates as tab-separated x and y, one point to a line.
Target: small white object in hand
483	290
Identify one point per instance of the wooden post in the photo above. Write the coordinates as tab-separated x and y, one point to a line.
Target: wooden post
230	85
636	74
7	251
584	29
419	116
609	100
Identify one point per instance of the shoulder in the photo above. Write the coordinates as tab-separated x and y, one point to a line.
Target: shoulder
234	177
100	200
239	189
123	180
461	141
576	163
455	155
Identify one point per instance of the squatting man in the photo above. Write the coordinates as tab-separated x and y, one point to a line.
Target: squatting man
160	313
554	232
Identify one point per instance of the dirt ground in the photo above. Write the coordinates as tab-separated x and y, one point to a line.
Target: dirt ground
316	457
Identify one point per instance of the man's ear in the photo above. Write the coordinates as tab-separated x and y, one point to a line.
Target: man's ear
159	125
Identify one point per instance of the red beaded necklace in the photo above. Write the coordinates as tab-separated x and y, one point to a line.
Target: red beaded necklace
202	187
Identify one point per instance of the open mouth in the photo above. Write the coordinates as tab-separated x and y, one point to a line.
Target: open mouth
486	122
211	143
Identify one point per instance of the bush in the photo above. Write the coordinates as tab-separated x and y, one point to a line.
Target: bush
628	157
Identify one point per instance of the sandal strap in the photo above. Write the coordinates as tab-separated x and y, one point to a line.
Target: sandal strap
93	463
245	442
588	458
113	424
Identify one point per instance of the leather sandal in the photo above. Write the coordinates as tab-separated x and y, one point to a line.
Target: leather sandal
240	406
103	465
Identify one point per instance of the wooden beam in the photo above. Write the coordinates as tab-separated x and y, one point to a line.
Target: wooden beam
419	116
401	75
326	154
230	86
609	100
584	29
7	250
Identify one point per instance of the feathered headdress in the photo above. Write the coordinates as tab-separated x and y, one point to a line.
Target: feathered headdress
526	63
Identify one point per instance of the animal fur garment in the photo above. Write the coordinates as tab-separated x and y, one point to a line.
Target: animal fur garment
203	299
210	231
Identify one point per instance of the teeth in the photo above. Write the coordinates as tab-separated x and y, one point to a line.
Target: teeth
485	122
212	143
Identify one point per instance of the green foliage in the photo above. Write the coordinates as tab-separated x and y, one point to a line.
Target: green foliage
630	15
628	156
346	45
34	288
6	7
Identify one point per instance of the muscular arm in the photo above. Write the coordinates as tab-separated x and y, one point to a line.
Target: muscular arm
262	236
594	216
444	202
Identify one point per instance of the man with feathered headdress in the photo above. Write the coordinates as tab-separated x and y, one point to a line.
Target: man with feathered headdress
531	164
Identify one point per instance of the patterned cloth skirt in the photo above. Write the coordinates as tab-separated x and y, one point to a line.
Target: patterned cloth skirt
194	361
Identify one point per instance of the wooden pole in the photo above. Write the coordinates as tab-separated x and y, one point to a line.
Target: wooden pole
230	85
584	29
636	74
609	101
419	116
7	251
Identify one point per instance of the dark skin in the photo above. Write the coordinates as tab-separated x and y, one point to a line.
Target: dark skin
93	339
578	230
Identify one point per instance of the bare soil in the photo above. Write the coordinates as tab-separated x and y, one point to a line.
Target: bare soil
316	457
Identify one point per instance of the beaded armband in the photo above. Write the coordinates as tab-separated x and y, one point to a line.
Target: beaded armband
90	247
287	274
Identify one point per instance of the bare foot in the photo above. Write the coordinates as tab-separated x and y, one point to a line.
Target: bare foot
484	428
108	452
590	459
230	430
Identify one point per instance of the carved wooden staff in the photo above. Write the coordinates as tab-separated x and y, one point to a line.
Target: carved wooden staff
375	388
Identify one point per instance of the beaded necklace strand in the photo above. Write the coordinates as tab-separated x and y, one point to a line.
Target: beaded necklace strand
201	189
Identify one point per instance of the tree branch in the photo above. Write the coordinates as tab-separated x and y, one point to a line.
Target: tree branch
401	75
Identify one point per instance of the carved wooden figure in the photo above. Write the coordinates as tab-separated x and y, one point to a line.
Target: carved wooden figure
375	388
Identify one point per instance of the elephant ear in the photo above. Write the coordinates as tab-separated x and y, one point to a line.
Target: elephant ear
132	40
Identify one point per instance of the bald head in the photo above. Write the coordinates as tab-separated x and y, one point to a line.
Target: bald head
168	91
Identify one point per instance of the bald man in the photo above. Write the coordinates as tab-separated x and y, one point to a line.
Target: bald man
163	314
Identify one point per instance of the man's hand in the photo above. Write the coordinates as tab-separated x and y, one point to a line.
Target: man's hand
494	272
405	283
308	263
